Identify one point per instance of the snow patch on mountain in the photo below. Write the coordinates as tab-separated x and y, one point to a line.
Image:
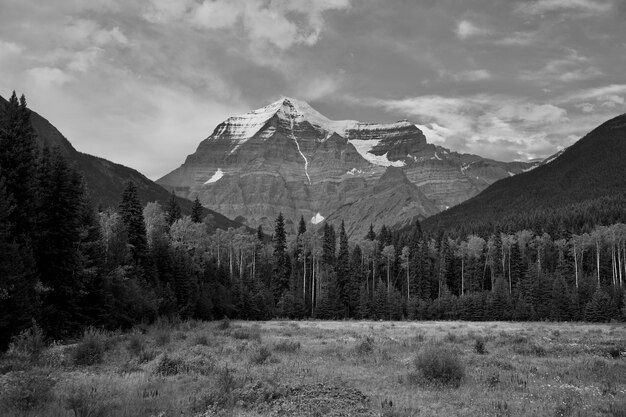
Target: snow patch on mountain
218	174
318	218
365	146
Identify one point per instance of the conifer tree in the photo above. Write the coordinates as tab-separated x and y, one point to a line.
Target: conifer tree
343	267
329	245
301	226
132	217
281	267
173	210
370	234
196	211
259	233
60	232
18	159
18	301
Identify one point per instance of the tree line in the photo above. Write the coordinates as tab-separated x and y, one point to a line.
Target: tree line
66	264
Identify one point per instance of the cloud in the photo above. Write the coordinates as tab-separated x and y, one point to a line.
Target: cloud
466	29
495	126
48	76
540	7
9	48
599	94
566	69
281	23
472	75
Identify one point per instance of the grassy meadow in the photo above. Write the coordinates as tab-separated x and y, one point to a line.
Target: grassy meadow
322	368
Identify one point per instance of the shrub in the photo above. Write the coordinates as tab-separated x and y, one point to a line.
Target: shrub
87	399
170	366
26	391
162	338
90	349
479	346
202	340
365	347
30	342
440	366
146	356
287	346
260	355
247	334
452	338
224	324
135	344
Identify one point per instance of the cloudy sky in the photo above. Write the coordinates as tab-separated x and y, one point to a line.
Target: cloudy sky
141	83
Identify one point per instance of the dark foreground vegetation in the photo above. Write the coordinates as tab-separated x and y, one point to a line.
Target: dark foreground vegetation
66	265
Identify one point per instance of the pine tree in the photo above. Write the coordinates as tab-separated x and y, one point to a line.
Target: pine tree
301	226
132	217
173	210
343	268
60	232
329	245
18	159
281	267
259	234
370	234
18	301
196	211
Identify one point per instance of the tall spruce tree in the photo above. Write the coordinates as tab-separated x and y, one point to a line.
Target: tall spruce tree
196	211
18	159
343	268
281	267
329	245
371	235
172	209
132	217
60	230
18	299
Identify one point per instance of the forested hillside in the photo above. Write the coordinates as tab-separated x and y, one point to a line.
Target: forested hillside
590	169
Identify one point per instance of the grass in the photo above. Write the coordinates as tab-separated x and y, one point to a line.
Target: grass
321	367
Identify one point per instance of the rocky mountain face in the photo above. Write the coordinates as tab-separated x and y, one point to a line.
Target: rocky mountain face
287	157
105	180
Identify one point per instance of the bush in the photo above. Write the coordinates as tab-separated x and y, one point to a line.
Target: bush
26	391
440	366
162	338
479	346
146	356
170	366
247	334
224	324
260	355
202	340
135	344
90	349
287	346
365	347
30	342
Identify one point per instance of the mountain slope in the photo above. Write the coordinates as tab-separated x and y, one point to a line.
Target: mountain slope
591	168
106	180
287	157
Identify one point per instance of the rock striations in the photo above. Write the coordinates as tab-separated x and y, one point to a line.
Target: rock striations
287	157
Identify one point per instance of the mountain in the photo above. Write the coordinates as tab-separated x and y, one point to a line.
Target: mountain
287	157
105	180
590	169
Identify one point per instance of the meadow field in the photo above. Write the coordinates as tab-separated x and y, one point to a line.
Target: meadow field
321	368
